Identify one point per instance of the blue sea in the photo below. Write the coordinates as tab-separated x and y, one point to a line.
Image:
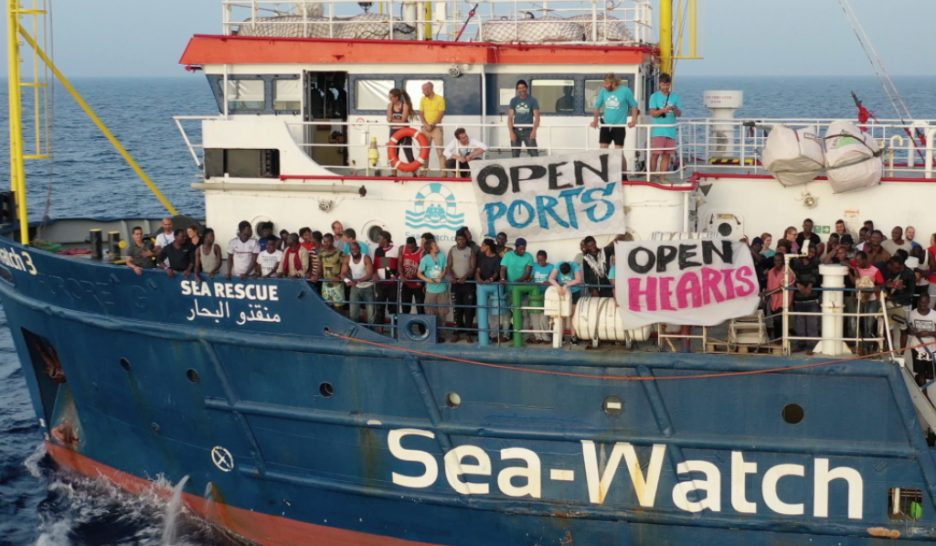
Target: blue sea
39	505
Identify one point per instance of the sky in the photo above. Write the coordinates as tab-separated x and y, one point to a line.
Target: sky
137	38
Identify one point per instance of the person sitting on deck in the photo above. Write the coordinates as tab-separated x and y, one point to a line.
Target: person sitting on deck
140	254
242	252
208	256
178	255
461	151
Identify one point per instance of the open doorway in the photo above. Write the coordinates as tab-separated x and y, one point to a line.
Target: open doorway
327	109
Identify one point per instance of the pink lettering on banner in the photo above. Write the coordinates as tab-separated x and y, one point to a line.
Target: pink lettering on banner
712	281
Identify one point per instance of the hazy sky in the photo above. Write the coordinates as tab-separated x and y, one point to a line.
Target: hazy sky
737	37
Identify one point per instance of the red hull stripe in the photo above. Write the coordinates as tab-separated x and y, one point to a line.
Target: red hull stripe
206	50
260	528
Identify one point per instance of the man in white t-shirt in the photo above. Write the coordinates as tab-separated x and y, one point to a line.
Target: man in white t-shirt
242	252
922	324
165	237
269	260
462	150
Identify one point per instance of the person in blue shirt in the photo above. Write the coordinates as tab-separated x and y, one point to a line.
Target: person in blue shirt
567	277
523	119
614	105
539	322
665	107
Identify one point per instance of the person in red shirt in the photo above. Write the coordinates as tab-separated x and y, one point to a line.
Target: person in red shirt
779	279
407	267
385	269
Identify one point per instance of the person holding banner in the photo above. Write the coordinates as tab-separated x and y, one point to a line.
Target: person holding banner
461	150
595	265
612	108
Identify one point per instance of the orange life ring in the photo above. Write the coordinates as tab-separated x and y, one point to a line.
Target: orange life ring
393	150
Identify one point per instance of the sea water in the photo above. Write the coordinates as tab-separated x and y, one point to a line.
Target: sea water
39	505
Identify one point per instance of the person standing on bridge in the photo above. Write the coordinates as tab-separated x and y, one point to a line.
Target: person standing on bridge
612	108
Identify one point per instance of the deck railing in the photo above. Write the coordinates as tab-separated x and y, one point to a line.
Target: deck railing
702	144
623	22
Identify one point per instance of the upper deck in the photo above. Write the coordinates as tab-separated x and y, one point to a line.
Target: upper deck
619	23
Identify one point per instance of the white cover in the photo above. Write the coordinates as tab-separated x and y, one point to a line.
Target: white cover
793	156
607	28
850	158
532	31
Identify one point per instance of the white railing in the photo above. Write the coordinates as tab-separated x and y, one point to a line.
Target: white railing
702	144
623	22
728	144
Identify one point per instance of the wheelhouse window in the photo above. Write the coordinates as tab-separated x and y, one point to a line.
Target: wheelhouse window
372	94
287	95
244	94
414	89
592	89
554	95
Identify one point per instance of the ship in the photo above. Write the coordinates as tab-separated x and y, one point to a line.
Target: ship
288	421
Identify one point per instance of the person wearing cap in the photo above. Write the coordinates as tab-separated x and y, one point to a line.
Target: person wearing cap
517	268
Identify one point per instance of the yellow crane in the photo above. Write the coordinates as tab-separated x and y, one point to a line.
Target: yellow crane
39	84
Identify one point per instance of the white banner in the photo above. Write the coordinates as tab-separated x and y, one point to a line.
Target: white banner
550	197
700	283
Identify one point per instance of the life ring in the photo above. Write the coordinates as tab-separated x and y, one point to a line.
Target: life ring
393	151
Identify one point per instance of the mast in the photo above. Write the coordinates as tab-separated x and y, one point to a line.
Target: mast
666	36
14	84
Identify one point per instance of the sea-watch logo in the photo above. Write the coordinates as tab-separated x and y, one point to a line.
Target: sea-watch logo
435	207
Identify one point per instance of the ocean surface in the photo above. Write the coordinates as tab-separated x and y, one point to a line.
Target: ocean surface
39	505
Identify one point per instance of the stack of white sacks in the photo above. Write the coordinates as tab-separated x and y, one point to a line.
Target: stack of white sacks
850	158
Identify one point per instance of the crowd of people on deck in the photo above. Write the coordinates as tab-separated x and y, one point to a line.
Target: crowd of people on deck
615	110
373	284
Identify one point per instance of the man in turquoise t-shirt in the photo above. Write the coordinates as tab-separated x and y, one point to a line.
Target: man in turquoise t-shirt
665	107
517	267
613	106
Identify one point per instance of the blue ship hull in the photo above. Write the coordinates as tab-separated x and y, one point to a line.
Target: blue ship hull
295	425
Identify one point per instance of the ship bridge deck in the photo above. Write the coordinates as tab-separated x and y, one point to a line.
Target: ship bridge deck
624	22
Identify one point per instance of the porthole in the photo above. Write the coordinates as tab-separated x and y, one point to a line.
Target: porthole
613	406
192	375
793	413
327	390
125	364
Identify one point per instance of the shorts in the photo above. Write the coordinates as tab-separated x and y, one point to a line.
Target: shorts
662	144
607	135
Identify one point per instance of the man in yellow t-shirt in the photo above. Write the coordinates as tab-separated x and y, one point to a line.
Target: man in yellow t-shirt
431	112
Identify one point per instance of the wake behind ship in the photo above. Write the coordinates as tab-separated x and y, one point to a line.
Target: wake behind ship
667	403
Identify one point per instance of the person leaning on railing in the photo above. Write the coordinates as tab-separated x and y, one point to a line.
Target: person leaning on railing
517	268
432	270
490	292
461	267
